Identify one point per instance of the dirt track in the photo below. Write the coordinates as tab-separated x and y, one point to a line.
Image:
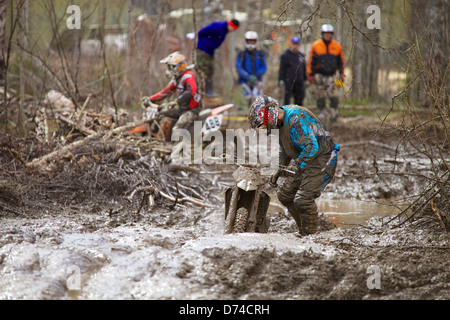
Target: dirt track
79	222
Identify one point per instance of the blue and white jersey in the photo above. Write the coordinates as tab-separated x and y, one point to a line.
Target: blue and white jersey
303	137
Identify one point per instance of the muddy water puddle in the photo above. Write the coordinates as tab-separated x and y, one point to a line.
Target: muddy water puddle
346	213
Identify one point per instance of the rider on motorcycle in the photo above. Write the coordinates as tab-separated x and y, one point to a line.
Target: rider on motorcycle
183	84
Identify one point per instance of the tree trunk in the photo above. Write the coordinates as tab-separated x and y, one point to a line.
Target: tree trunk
24	42
2	42
212	11
366	55
430	29
254	20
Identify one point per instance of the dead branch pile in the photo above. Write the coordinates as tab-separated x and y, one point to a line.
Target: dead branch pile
60	119
81	155
109	166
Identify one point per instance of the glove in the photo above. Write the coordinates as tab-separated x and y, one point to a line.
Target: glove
274	178
252	80
172	105
310	78
145	101
169	109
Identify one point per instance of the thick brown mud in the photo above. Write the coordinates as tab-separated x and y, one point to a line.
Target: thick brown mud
77	230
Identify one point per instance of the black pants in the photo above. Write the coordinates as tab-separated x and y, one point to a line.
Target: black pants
296	90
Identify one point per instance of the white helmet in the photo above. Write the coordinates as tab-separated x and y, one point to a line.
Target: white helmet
251	38
327	28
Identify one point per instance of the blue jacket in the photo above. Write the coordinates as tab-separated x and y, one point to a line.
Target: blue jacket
212	36
303	137
250	63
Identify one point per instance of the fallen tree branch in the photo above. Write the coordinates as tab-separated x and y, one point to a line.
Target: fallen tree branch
80	127
152	190
186	199
6	209
17	155
39	163
176	167
436	212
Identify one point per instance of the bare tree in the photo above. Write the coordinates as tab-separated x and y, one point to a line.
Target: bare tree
254	21
430	31
2	42
366	56
212	11
14	18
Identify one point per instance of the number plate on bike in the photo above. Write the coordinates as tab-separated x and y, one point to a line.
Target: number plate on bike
212	123
150	113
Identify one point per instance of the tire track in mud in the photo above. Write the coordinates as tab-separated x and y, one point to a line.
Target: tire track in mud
186	260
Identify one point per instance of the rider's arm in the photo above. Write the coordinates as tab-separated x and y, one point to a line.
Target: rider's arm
305	141
189	90
311	62
283	158
185	97
168	90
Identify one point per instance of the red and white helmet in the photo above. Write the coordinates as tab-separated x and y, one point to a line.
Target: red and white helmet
263	112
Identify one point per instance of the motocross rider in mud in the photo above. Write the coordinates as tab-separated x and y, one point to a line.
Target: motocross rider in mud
183	83
304	139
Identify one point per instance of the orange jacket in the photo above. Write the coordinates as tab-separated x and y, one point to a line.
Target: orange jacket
325	58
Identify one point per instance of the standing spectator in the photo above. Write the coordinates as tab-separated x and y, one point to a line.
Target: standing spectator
251	65
292	73
209	39
325	59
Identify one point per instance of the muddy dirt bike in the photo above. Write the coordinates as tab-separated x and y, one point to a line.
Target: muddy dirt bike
161	126
246	204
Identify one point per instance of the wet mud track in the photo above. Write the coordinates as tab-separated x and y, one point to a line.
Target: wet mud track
65	243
